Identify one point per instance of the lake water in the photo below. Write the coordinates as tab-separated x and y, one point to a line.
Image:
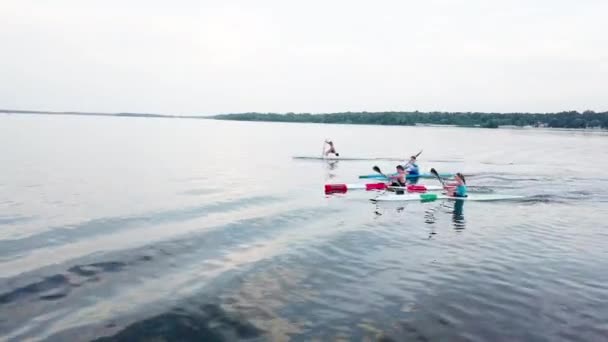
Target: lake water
126	229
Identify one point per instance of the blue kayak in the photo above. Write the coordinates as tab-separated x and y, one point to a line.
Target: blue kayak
422	175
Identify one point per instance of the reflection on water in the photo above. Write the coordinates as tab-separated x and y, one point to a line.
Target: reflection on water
429	215
454	209
388	208
330	167
458	215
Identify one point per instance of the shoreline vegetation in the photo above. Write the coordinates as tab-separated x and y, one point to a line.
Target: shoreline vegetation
571	119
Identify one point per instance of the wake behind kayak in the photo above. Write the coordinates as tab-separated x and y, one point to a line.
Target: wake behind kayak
427	197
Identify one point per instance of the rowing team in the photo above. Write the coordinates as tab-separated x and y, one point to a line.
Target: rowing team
410	170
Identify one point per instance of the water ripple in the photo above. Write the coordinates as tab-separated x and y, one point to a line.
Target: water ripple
55	236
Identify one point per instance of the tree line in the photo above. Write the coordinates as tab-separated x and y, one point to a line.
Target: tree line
570	119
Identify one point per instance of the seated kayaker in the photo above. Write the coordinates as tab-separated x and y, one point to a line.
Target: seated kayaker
399	178
458	188
411	167
331	149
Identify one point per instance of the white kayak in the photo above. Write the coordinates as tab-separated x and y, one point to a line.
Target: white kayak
333	158
336	188
433	197
428	187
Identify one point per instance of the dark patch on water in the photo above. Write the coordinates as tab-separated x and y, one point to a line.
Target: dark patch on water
93	269
52	283
59	285
209	323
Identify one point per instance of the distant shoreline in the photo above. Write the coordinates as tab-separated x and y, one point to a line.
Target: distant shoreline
138	115
586	121
561	120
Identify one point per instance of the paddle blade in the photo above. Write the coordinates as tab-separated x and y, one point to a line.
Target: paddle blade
436	174
377	169
428	197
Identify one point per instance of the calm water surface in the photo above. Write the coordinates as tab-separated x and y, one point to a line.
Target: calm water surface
126	229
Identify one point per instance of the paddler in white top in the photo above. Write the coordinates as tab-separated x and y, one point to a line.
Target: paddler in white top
399	178
331	149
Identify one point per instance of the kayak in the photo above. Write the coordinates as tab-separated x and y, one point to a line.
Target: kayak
341	188
433	197
421	175
343	158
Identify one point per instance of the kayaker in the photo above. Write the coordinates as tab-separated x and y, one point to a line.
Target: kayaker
331	149
399	178
411	167
458	188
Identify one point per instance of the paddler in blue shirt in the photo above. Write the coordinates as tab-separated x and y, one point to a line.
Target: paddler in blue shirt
411	170
411	167
458	188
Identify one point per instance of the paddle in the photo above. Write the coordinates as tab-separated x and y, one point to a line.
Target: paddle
377	169
436	174
408	163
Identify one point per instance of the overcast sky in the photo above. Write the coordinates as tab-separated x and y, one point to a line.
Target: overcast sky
207	57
